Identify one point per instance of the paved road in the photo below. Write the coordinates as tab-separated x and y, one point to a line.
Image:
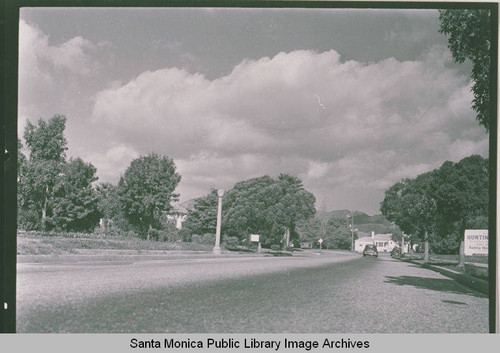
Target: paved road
330	293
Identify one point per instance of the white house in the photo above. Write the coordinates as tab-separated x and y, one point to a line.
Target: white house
178	216
360	243
382	241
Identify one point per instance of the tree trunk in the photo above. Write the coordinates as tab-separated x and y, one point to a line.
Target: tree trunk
44	208
461	253
44	214
147	236
426	250
461	261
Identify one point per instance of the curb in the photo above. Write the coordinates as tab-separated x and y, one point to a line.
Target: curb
477	284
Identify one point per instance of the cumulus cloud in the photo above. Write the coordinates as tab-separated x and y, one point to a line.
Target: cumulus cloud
112	162
334	123
51	75
37	54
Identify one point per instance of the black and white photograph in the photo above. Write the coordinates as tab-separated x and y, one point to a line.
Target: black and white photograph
261	170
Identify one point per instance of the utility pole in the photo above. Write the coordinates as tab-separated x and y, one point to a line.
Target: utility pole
217	249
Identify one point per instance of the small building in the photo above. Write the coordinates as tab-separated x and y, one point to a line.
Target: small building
360	243
383	242
178	216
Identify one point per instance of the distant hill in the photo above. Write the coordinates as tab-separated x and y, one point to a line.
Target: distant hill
359	217
188	205
363	222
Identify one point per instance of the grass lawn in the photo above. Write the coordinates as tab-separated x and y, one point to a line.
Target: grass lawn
66	244
451	262
451	258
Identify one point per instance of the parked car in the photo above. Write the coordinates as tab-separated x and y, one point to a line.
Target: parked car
370	250
396	252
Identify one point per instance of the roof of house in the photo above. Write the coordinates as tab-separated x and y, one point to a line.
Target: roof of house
365	240
382	237
178	209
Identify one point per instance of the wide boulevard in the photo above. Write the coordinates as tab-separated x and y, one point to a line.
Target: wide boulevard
331	292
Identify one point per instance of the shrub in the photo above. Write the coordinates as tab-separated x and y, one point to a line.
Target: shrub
231	242
208	238
155	234
203	239
275	247
185	234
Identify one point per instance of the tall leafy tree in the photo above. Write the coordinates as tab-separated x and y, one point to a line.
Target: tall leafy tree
46	140
75	203
439	205
462	196
250	207
39	175
420	207
469	37
269	207
298	203
146	191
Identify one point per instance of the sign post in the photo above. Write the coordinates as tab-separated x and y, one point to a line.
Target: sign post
255	238
320	242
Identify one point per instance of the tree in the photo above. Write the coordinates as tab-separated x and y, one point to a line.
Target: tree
269	207
411	206
40	172
420	206
469	34
250	207
146	191
21	158
439	205
266	206
311	230
203	218
338	233
46	140
108	204
75	202
462	196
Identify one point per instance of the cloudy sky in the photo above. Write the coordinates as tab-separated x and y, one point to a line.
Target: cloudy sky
351	101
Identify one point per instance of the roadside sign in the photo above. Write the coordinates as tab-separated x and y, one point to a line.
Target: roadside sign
320	241
476	242
254	238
